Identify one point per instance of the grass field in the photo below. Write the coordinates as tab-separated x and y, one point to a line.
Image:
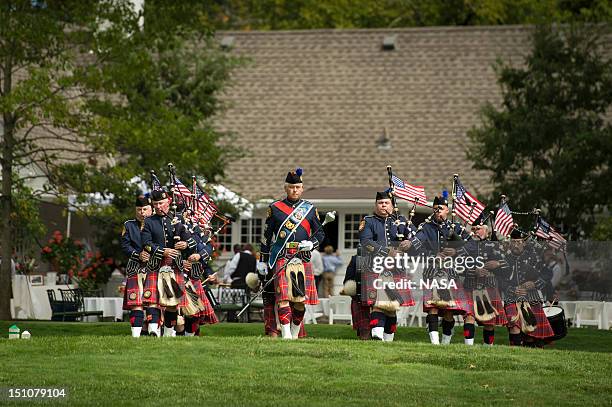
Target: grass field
232	364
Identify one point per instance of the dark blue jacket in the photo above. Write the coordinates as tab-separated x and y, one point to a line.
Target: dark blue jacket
378	234
131	242
277	213
159	233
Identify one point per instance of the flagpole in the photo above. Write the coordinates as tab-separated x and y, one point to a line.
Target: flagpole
392	187
413	210
454	196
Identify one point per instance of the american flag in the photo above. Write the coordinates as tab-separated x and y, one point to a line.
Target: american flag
408	192
503	220
203	206
547	232
466	206
184	194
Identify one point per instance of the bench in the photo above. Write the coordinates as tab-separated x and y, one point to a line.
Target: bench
71	307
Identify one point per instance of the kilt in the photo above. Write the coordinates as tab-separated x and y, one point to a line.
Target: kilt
496	301
369	297
207	316
543	329
150	296
281	285
270	325
361	315
463	301
132	296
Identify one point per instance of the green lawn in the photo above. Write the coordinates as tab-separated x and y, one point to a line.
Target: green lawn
232	364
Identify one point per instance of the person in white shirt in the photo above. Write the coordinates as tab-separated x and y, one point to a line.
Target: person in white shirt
226	276
239	266
331	261
317	267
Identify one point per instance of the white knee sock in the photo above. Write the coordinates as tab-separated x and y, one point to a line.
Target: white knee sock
136	331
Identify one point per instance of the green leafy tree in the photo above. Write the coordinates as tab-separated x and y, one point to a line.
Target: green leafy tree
310	14
548	144
91	98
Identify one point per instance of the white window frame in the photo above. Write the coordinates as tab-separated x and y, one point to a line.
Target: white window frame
252	237
343	229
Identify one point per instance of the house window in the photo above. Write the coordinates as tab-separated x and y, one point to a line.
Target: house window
351	229
224	237
251	230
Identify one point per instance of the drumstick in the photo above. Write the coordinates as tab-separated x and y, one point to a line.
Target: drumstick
213	275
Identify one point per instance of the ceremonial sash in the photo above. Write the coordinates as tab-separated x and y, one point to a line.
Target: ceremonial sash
288	228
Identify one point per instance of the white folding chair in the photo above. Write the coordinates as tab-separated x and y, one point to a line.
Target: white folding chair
312	313
416	312
589	313
607	315
569	307
340	308
402	316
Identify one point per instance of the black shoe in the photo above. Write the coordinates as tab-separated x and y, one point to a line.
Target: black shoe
153	334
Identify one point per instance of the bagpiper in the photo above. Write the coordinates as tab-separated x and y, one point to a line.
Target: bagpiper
291	232
523	275
360	310
199	310
440	239
481	284
131	244
380	235
167	241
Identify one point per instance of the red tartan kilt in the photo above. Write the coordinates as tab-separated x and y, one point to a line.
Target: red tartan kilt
132	291
543	329
281	283
270	326
497	303
463	302
151	294
361	315
207	316
370	292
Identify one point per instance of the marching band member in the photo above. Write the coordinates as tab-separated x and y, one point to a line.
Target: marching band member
131	244
523	275
360	310
165	239
384	235
481	285
198	275
434	237
292	231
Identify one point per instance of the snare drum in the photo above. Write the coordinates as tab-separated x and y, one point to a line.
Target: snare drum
556	318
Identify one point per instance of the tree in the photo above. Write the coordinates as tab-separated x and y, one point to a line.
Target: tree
310	14
90	99
548	144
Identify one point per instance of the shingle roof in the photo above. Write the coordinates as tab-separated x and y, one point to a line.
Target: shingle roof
320	99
